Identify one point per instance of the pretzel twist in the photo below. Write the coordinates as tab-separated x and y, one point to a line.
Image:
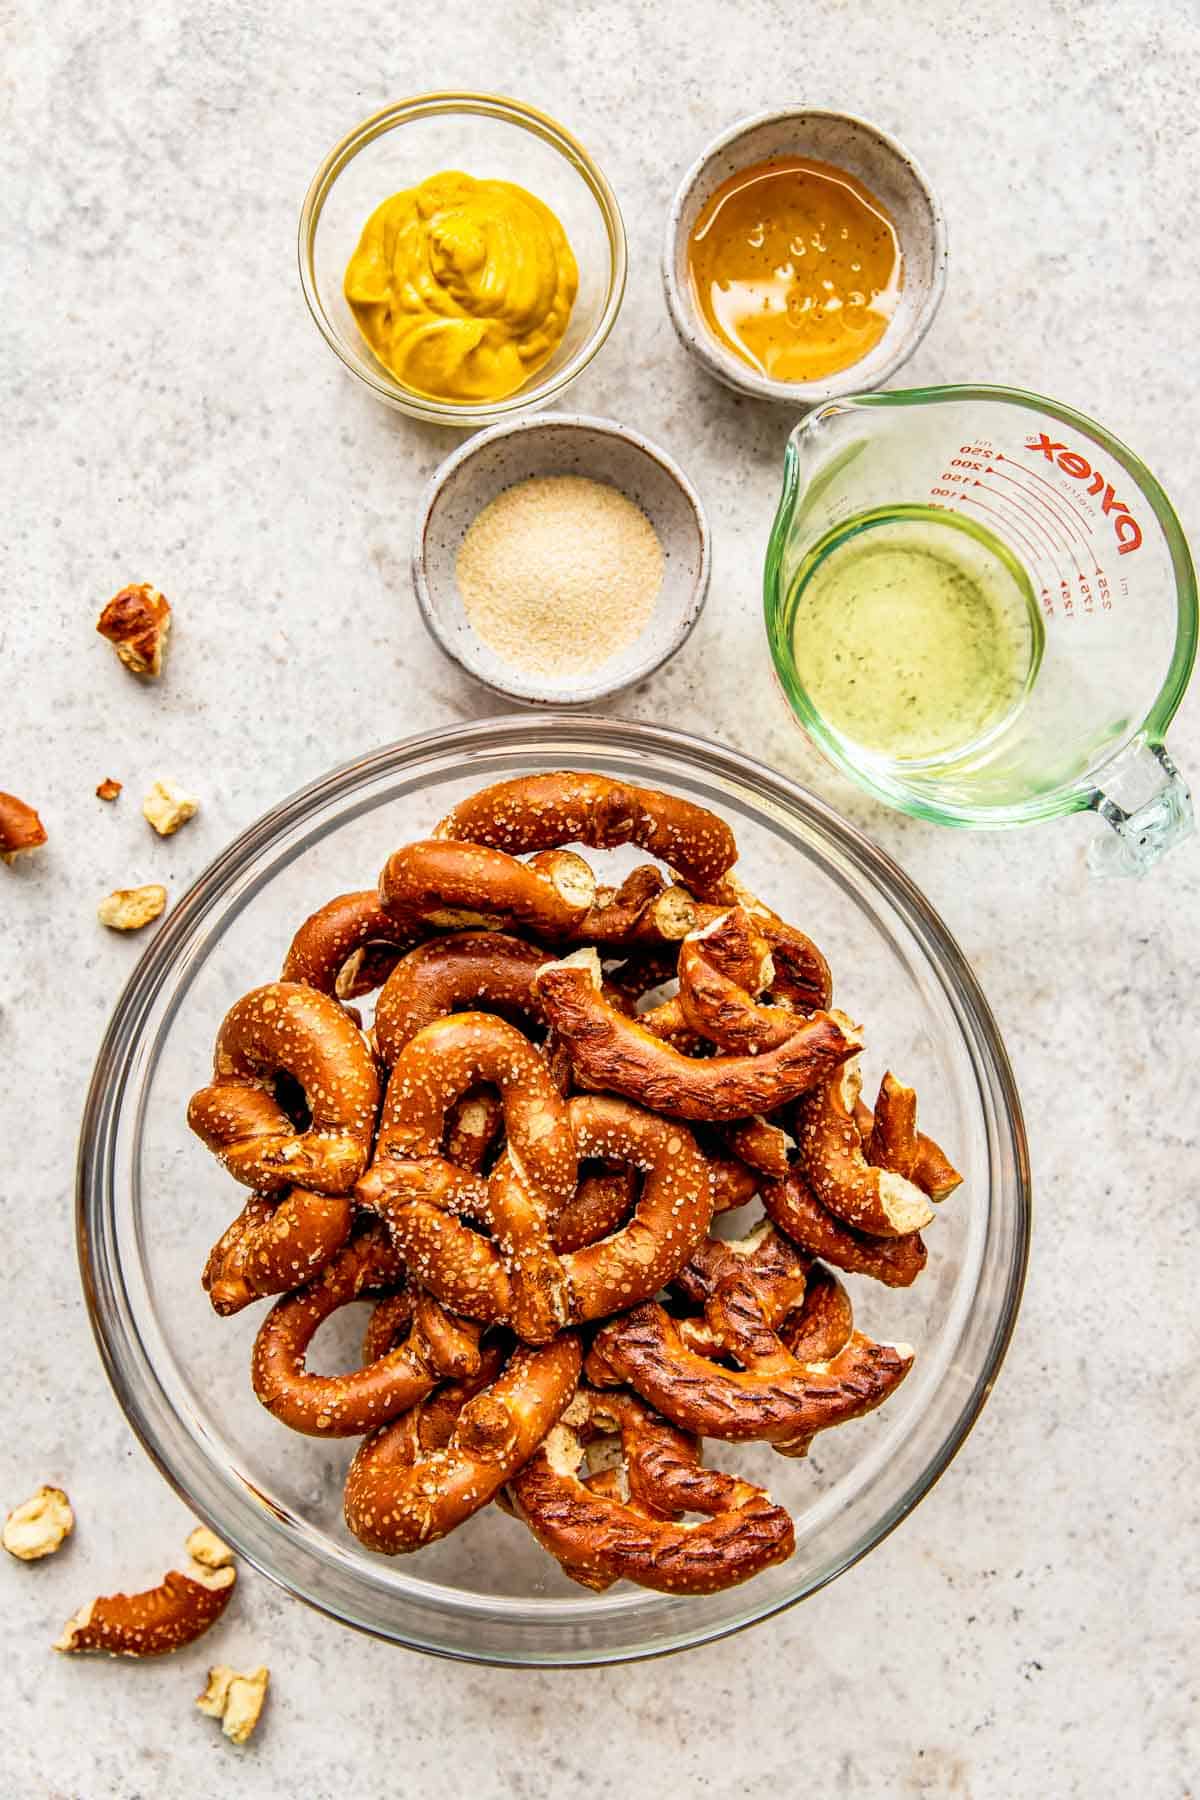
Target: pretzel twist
535	812
600	1537
454	887
747	1291
286	1028
611	1051
347	947
400	1495
271	1248
535	1178
468	1272
671	1217
350	1404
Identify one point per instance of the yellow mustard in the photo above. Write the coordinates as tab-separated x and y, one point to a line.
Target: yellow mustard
462	288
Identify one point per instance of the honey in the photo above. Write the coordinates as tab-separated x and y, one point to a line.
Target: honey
796	268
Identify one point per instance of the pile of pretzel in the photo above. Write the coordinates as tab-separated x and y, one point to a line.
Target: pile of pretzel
521	1160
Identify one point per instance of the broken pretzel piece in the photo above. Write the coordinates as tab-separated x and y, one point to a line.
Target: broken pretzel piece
129	909
237	1700
136	622
169	1617
167	807
20	828
628	1518
832	1157
612	1052
39	1526
108	789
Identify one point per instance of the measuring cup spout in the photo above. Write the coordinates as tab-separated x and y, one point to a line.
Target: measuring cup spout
1146	801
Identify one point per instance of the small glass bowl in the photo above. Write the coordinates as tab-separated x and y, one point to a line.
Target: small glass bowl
152	1200
489	137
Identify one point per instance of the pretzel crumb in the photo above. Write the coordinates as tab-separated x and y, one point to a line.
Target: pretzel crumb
39	1526
128	909
206	1548
167	807
237	1700
136	622
108	789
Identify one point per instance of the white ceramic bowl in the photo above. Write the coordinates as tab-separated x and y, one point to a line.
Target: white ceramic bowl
887	169
561	444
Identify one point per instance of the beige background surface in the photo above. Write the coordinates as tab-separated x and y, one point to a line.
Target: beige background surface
170	415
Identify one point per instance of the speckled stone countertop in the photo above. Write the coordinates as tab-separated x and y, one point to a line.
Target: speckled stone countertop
170	415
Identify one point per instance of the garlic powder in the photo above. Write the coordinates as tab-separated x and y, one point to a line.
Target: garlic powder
558	573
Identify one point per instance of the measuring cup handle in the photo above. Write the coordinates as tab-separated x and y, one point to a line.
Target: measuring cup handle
1147	803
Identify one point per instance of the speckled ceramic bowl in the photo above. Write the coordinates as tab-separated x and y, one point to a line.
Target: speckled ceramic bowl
887	169
561	444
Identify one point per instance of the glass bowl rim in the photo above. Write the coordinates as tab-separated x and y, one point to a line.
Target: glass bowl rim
122	1353
527	118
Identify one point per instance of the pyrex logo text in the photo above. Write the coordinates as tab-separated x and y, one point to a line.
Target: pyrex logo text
1129	532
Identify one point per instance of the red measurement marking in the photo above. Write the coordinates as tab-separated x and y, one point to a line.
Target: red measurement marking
1008	525
1066	499
1070	524
1025	512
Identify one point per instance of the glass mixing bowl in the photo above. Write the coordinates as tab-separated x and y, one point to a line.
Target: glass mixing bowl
151	1200
492	138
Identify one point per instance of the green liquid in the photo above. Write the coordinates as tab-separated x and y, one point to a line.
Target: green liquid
914	633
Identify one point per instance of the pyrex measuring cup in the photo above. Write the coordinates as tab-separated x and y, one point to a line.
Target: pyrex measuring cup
1096	565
